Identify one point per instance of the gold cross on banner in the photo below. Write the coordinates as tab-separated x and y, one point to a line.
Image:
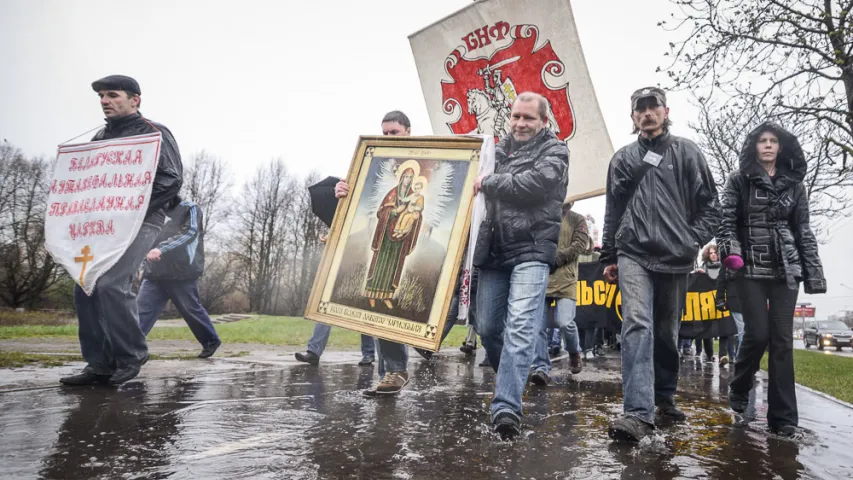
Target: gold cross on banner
86	258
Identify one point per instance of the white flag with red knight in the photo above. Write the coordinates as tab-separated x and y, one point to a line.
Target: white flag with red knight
98	199
474	63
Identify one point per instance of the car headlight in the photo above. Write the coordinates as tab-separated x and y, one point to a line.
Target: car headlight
827	335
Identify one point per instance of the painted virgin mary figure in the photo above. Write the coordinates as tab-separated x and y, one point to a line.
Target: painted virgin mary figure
395	237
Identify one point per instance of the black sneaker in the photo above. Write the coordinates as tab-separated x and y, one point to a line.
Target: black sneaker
738	402
554	351
308	357
365	360
210	349
485	362
629	429
86	377
668	411
787	431
468	349
127	373
426	354
507	426
540	378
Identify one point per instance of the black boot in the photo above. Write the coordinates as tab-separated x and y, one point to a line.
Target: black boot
210	349
629	429
128	372
308	357
86	377
507	426
668	411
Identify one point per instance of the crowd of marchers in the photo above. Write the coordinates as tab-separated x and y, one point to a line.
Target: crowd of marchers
662	208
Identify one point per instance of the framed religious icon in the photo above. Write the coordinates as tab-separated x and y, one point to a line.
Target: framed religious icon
391	261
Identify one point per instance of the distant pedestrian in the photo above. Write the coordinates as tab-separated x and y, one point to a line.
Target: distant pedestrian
171	272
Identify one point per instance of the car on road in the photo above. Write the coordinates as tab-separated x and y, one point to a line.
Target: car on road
828	333
798	334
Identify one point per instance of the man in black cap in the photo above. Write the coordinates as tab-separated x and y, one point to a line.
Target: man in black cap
661	206
111	340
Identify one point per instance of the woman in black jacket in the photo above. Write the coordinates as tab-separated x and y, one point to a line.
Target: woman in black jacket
765	236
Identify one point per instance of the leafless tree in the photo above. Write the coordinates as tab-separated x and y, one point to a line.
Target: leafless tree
303	249
788	61
259	232
722	130
219	279
207	182
26	269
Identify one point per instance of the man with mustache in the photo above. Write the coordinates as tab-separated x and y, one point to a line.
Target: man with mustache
516	250
111	340
661	207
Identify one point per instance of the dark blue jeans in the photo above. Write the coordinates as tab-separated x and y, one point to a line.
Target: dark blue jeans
510	309
153	296
109	331
317	342
651	315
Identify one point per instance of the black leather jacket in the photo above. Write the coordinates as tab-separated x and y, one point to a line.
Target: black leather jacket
673	212
170	171
766	221
525	198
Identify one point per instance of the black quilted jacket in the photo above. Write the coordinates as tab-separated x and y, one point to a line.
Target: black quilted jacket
525	199
766	221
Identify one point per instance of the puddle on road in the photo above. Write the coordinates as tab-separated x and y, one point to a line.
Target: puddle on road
304	422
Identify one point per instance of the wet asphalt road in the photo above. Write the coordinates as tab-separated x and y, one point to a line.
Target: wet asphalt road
234	419
844	352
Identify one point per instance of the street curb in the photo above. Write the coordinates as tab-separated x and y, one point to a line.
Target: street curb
826	396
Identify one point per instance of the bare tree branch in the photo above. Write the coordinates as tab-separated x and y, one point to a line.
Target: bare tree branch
755	60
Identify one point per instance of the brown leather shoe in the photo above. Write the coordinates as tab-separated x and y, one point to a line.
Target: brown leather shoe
576	363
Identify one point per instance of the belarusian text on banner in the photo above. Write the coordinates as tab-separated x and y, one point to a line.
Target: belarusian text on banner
98	199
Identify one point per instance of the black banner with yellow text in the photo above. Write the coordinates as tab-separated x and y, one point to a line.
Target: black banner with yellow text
599	304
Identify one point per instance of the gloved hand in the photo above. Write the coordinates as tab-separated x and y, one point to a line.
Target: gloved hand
733	262
813	287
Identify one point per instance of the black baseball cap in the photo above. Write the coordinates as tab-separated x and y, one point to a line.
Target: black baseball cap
648	92
117	82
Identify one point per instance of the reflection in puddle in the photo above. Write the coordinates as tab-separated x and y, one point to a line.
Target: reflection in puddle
304	422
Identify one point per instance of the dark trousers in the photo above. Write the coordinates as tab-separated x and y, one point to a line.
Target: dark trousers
153	296
707	344
109	332
771	328
727	347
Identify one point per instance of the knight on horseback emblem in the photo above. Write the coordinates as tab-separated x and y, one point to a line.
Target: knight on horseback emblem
483	89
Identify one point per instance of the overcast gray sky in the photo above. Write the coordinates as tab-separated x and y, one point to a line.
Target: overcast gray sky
253	80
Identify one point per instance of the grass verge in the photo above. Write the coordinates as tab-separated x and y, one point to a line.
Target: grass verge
23	359
260	330
830	374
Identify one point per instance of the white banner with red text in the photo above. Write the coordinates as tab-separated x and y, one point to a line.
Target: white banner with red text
98	199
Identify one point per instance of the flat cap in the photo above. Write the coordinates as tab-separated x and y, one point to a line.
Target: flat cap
117	82
648	92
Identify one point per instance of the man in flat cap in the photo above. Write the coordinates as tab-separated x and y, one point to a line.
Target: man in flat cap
111	340
661	206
